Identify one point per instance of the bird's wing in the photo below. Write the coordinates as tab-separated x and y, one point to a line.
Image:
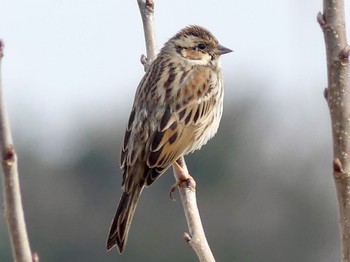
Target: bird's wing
157	140
182	120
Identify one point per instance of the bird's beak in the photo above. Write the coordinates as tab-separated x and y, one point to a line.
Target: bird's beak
221	50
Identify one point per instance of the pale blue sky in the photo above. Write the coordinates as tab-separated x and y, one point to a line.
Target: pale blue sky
68	63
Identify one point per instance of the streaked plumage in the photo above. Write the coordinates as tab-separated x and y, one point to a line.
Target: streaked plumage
177	109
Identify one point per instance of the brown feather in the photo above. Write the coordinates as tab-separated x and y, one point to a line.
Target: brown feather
177	109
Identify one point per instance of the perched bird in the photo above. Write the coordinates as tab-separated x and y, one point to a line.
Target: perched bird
177	109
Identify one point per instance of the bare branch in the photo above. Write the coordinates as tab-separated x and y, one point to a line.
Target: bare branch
147	14
12	195
196	238
337	94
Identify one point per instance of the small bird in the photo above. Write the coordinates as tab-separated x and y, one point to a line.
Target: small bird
177	109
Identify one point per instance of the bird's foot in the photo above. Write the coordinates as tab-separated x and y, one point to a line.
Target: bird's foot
182	177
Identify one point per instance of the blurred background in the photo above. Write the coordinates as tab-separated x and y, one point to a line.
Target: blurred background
264	183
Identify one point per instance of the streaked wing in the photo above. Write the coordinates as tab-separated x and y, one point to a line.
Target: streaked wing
158	134
182	121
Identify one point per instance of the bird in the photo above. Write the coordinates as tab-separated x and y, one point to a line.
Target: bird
177	108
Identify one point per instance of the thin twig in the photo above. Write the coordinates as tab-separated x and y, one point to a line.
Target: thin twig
147	13
196	237
12	195
337	94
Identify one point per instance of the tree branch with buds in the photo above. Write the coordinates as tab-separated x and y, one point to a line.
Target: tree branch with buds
10	182
196	236
147	14
337	94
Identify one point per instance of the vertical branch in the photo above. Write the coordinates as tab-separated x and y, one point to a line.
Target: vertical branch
337	94
12	195
147	13
196	238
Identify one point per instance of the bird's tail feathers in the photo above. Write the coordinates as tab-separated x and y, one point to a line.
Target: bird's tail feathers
120	227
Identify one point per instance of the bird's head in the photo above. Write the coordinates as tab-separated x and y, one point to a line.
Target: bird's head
196	44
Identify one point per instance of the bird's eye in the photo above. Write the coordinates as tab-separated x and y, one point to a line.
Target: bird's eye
201	46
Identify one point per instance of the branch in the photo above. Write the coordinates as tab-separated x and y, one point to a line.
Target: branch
11	189
337	94
196	238
147	13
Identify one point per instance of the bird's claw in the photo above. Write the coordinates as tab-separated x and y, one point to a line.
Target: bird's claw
182	177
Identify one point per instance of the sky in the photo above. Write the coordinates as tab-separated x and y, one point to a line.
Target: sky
73	64
67	62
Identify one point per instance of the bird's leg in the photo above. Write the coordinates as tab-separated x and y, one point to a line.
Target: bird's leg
182	177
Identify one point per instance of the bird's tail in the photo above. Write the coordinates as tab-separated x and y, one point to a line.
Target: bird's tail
118	234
